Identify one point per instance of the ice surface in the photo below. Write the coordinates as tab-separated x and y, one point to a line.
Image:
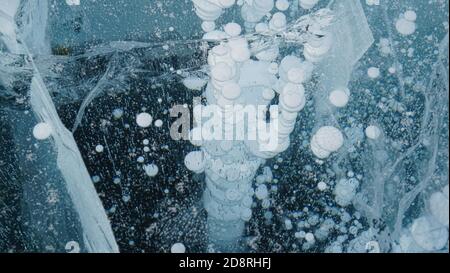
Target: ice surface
96	230
65	165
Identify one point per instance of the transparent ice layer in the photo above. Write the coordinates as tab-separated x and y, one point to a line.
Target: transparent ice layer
60	204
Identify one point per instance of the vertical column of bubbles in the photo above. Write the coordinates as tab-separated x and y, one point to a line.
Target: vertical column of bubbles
327	139
230	163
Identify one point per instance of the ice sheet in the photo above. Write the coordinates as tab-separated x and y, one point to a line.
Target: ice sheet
95	228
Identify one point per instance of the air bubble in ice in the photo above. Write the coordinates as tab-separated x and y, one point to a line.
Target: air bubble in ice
373	2
195	161
194	83
99	148
178	248
308	4
232	29
373	132
345	191
439	207
42	131
117	113
158	123
405	25
261	192
282	5
73	2
322	186
151	170
373	72
327	139
339	97
144	120
429	234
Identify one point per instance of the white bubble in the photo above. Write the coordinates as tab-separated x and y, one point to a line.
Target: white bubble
261	192
373	72
178	248
286	64
288	224
300	73
345	191
339	97
117	113
429	234
144	120
96	178
42	130
208	26
194	83
329	138
73	2
373	132
261	27
126	198
373	2
99	148
158	123
239	49
195	161
265	203
439	207
410	15
293	97
282	5
309	237
317	151
278	21
246	214
151	170
226	3
307	4
405	27
322	186
232	29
